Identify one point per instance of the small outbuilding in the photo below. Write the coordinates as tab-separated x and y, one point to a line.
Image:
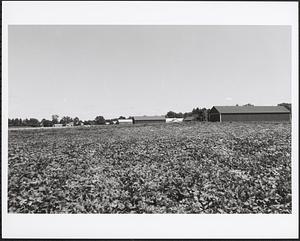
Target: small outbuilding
190	118
125	121
70	124
249	113
149	119
174	120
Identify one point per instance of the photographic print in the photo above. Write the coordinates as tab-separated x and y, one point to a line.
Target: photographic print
149	119
145	120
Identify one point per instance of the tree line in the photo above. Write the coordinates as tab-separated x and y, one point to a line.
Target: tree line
198	114
33	122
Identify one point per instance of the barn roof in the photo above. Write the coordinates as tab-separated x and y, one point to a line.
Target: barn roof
251	109
149	118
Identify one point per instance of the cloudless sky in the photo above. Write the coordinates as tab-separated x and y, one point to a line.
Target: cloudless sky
111	71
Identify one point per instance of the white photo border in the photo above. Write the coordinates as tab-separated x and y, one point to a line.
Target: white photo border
150	225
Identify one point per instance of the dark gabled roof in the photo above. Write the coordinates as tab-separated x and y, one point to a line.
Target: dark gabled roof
149	118
251	109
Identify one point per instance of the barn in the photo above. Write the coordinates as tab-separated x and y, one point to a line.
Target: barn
249	113
149	119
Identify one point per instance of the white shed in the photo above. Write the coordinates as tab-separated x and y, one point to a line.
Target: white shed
174	120
125	121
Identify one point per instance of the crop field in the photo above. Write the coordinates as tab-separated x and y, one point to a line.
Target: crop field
165	168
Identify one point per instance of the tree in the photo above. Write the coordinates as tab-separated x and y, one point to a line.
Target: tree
33	122
46	123
198	114
15	122
88	122
99	120
208	114
65	120
179	115
77	121
205	113
122	118
248	104
19	122
25	122
55	119
187	114
171	114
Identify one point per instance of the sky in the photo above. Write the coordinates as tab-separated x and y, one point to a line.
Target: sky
112	71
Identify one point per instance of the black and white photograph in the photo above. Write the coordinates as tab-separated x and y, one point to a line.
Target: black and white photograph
149	119
135	119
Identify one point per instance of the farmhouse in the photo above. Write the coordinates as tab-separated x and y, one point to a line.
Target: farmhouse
249	113
125	121
148	119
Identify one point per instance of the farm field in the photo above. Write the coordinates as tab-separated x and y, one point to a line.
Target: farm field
164	168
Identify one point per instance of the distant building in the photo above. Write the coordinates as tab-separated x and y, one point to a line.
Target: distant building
70	124
249	113
174	120
58	125
125	121
148	119
190	118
